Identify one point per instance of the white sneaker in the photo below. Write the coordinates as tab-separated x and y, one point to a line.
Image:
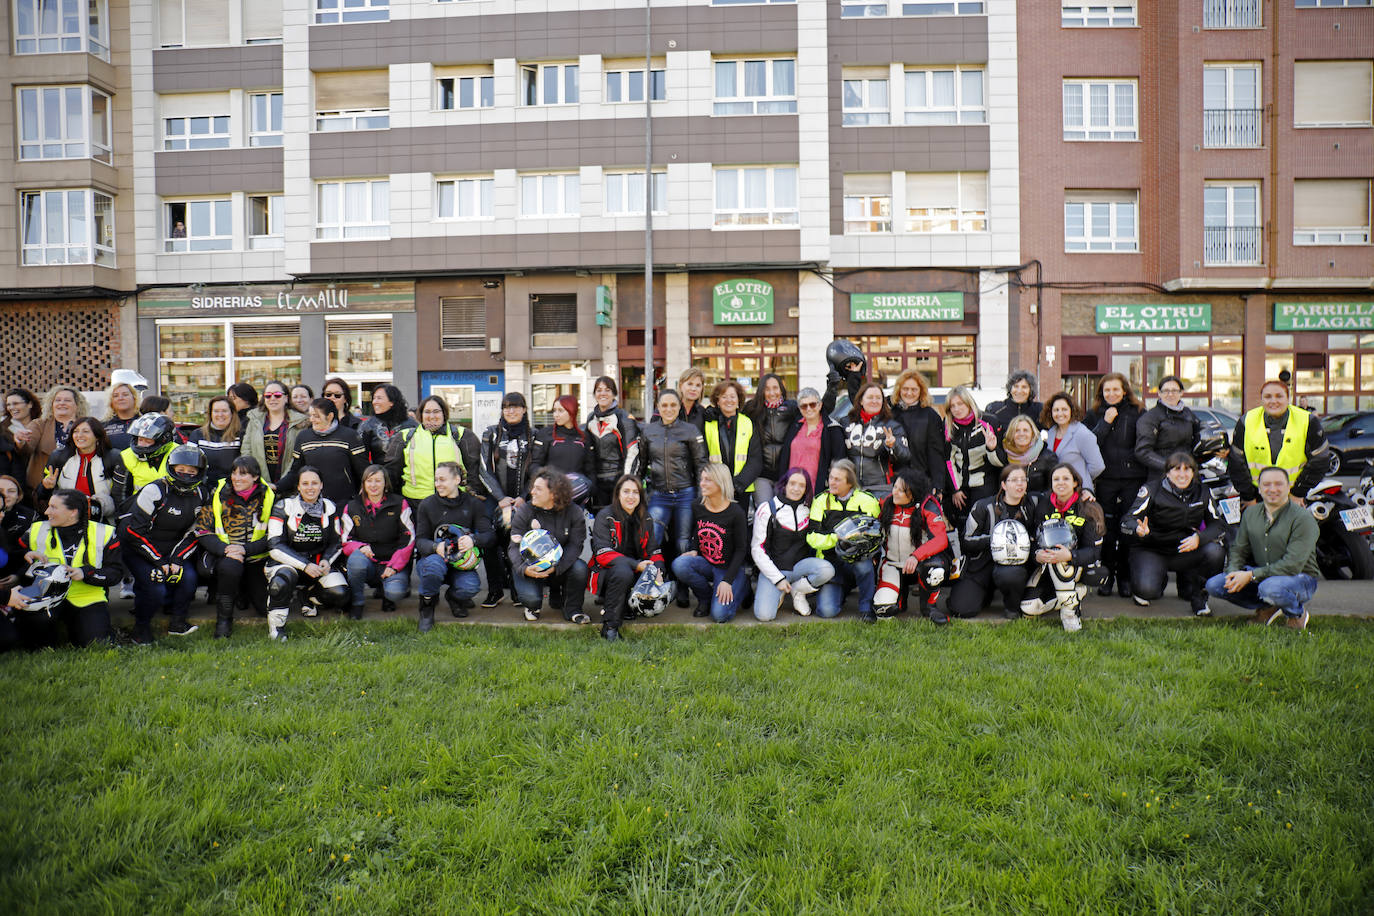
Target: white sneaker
1204	611
800	604
310	608
1072	622
126	588
1143	602
530	615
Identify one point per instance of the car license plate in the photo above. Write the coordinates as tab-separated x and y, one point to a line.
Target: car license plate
1230	510
1357	519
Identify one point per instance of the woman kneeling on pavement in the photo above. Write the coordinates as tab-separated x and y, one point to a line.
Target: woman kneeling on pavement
713	565
378	533
997	543
90	552
232	533
442	559
624	544
786	563
1178	529
841	500
1069	544
551	508
303	534
916	547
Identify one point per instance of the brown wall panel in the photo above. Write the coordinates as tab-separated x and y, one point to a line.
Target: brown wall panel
911	39
701	303
210	69
219	171
429	356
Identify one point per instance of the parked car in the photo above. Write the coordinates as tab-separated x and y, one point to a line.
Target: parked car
1216	417
1351	437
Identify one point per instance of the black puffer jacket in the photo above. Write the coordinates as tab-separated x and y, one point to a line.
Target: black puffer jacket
161	523
773	427
1117	443
560	448
671	457
337	455
1160	432
613	436
976	538
925	438
506	456
1000	413
1174	515
376	433
465	511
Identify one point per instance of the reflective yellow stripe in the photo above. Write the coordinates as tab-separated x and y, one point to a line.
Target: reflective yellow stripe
744	431
141	472
79	594
259	524
1292	456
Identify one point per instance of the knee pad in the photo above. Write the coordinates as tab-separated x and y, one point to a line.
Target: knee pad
280	587
933	572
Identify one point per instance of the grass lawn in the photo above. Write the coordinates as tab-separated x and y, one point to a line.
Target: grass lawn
1179	767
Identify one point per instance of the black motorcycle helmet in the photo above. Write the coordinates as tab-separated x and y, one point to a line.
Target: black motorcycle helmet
841	351
191	456
1210	441
153	426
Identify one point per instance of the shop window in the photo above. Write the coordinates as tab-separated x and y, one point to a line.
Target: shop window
1231	108
264	119
457	92
64	122
1100	221
198	359
193	23
464	198
755	197
867	203
948	95
1210	365
947	202
1333	93
336	11
1338	375
198	225
463	323
1231	231
864	91
549	84
61	27
359	347
864	8
67	227
766	86
1097	15
1100	110
624	193
1331	211
626	84
353	209
553	320
553	195
352	100
745	359
945	360
265	221
1231	14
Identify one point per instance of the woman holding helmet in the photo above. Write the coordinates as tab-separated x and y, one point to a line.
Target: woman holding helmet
451	526
89	553
159	534
848	546
916	547
378	533
304	542
624	545
547	535
997	544
1068	545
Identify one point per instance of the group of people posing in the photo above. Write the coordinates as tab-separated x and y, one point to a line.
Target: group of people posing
286	503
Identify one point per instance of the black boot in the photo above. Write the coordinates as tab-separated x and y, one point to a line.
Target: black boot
609	633
1105	589
388	606
456	605
427	612
224	616
1123	586
355	612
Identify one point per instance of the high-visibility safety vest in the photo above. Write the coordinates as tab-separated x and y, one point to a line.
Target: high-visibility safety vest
44	539
1292	457
259	523
140	471
856	503
424	452
744	431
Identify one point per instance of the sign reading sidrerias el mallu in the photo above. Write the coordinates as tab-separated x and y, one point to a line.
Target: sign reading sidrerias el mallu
1153	319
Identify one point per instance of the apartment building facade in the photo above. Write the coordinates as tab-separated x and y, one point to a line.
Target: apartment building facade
449	195
1196	185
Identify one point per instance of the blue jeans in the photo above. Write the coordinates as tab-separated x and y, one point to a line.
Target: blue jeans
697	573
1289	594
433	573
767	597
150	596
363	572
672	513
848	576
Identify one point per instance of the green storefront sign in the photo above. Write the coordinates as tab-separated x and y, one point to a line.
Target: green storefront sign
1324	316
906	306
1153	319
743	302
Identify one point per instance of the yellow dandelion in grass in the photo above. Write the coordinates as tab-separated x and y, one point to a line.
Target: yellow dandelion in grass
1187	836
347	857
310	849
214	844
1123	794
331	857
1288	826
1147	804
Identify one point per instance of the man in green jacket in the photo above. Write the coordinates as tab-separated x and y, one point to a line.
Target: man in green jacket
1272	568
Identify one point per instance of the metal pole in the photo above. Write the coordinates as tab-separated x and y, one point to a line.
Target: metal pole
648	218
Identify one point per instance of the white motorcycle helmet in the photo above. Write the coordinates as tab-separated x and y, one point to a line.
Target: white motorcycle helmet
1010	543
48	588
650	595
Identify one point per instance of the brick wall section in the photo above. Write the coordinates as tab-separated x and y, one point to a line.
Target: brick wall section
74	342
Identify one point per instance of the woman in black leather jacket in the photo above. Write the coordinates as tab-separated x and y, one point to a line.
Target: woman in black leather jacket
1113	420
671	456
1181	530
925	428
613	436
1166	428
773	415
389	417
507	450
875	442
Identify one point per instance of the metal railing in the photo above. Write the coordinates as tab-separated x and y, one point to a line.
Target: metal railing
1232	244
1231	14
1232	127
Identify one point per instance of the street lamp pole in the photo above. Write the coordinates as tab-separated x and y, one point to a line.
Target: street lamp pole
648	218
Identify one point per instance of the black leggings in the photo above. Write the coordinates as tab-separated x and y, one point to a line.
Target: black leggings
616	581
31	630
235	577
1150	570
972	592
1115	497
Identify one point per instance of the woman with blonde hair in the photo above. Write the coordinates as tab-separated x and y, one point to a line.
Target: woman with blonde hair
971	441
219	438
122	409
61	408
691	388
713	566
1023	446
924	428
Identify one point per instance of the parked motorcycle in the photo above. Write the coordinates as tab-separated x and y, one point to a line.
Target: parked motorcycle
1346	522
1211	453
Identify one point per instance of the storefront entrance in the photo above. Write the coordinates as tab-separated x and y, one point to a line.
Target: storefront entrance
746	359
550	381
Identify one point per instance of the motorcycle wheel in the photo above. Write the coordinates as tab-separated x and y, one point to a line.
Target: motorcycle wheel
1342	555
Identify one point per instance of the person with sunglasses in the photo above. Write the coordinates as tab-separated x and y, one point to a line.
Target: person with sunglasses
814	440
341	393
270	431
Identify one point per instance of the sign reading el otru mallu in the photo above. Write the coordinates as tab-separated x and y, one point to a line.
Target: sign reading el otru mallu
906	306
743	302
1324	316
1153	319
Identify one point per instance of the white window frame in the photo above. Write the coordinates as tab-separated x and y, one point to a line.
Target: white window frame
1115	130
850	9
271	106
1327	4
372	226
1103	14
1318	125
84	147
328	12
479	190
1232	126
72	251
534	78
868	112
483	88
227	360
863	211
1333	235
218	210
769	102
620	184
968	219
620	78
1232	247
960	112
773	214
275	237
215	139
1122	212
747	2
89	37
352	119
535	188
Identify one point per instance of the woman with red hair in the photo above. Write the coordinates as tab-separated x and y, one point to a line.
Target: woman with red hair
562	445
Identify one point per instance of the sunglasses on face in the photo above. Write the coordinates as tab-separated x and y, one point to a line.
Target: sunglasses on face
274	394
810	405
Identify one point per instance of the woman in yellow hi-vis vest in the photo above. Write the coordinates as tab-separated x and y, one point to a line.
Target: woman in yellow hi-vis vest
90	551
413	454
1279	435
730	439
231	530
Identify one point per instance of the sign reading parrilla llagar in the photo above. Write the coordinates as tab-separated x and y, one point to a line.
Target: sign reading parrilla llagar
1324	316
1151	319
743	302
906	306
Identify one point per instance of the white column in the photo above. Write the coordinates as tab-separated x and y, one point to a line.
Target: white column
994	328
816	328
813	107
298	119
677	330
610	356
